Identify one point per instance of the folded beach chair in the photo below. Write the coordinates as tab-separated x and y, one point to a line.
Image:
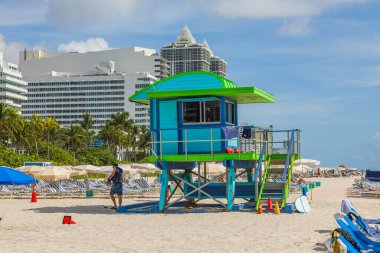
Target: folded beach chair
362	242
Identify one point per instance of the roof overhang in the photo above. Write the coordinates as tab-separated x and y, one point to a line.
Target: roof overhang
243	95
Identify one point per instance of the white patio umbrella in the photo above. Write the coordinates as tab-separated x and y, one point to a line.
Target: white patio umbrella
145	167
87	167
126	168
306	163
301	168
31	170
53	173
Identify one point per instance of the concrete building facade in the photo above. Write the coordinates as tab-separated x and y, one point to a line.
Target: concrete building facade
66	85
13	88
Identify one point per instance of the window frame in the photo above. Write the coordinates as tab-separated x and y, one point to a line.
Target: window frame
202	110
230	105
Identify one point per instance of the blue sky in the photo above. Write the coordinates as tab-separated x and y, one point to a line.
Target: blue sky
320	58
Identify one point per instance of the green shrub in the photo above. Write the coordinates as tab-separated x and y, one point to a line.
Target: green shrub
95	156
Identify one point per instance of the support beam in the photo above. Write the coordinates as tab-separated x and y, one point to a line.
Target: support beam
204	171
231	185
212	180
249	175
164	187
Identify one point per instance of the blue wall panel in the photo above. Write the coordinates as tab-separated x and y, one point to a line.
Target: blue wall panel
203	134
168	120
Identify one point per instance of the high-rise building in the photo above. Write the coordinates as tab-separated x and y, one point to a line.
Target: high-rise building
67	97
127	60
13	88
66	85
185	55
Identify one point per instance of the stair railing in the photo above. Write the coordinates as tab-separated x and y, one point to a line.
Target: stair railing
263	182
288	156
289	161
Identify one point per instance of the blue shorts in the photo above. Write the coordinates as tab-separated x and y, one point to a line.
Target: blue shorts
117	188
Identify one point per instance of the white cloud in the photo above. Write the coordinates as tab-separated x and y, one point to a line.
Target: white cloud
369	77
376	136
90	45
21	12
11	49
298	27
118	15
277	8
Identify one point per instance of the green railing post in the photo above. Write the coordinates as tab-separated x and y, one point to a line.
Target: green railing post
263	181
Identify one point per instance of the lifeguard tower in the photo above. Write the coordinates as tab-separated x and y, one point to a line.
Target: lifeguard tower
194	120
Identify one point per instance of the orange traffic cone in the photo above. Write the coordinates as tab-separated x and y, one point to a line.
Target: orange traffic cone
34	194
276	209
269	205
260	209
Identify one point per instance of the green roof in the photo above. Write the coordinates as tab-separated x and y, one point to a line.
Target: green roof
195	84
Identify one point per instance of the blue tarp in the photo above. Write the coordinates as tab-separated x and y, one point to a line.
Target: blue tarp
373	175
10	176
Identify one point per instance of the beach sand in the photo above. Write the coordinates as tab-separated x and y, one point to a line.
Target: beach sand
37	227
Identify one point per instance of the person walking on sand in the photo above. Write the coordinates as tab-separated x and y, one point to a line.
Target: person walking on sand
116	178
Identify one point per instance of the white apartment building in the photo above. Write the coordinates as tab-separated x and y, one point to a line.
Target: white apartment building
13	88
127	60
66	97
137	111
66	85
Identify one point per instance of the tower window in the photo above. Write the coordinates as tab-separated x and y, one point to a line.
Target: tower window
203	111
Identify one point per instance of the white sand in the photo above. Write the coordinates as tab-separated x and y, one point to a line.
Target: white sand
36	227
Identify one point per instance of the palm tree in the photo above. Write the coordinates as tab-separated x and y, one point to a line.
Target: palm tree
121	120
34	127
144	139
16	127
111	135
3	115
133	137
76	138
50	128
87	122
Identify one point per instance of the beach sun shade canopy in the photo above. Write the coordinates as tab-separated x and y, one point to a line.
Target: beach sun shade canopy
53	173
31	170
200	84
10	176
308	162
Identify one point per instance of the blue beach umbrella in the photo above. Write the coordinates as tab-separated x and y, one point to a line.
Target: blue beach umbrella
10	176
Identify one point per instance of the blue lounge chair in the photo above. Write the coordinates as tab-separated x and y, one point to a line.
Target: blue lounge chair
364	225
341	241
361	241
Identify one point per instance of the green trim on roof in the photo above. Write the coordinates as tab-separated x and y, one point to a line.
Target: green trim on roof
242	95
224	81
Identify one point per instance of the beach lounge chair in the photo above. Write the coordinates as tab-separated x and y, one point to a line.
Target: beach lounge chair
341	241
361	241
365	224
